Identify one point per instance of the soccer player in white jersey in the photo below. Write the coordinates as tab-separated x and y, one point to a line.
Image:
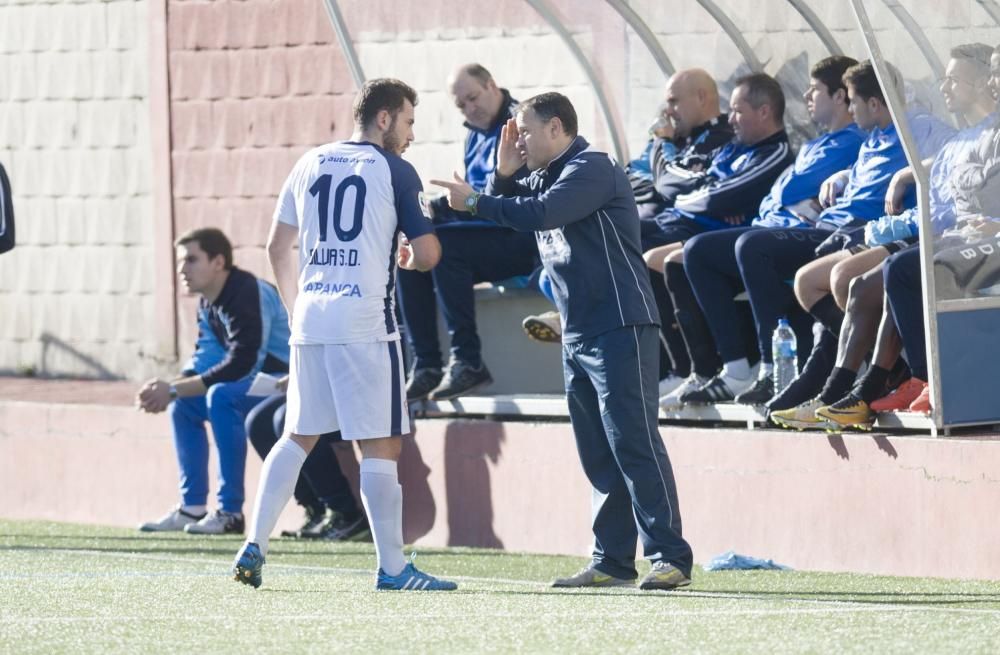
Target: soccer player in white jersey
345	204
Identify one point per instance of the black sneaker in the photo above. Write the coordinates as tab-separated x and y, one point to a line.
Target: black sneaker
345	529
713	391
460	379
422	381
761	392
315	516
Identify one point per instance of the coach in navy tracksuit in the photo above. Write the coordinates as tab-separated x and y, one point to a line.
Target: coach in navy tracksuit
580	204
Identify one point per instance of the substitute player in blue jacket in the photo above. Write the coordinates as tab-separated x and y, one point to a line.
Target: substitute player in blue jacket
242	329
581	207
344	205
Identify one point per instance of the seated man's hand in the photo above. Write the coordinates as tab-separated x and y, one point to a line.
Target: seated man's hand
898	187
154	397
832	187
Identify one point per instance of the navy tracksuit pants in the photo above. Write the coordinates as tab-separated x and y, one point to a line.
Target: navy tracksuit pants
611	388
723	263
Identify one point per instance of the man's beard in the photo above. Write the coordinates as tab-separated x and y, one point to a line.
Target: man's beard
390	141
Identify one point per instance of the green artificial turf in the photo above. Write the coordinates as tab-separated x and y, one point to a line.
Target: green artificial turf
84	589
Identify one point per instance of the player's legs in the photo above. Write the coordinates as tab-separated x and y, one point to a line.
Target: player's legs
309	413
367	384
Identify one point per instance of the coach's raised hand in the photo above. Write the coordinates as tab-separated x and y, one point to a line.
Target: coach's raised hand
458	191
509	158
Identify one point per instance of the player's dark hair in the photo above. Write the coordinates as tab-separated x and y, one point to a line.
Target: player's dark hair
830	71
378	94
211	240
863	79
762	89
552	105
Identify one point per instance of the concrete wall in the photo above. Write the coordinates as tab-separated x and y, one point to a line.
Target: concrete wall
867	503
76	293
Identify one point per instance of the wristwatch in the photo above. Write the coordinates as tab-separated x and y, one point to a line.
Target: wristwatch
173	392
471	202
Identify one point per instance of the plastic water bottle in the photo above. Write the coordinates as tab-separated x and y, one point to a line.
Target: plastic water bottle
783	352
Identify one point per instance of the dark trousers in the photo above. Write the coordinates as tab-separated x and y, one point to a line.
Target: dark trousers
691	321
762	261
611	388
661	231
469	255
321	482
904	291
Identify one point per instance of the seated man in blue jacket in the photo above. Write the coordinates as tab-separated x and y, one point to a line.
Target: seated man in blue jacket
242	330
580	205
472	250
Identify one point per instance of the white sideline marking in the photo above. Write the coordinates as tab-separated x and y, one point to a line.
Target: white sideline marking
827	606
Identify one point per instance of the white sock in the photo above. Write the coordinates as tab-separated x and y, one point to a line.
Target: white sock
196	510
383	499
738	369
277	482
765	370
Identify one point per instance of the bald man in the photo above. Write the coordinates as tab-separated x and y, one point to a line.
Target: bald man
474	250
694	130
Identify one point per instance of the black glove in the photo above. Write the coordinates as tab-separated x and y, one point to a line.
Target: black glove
848	236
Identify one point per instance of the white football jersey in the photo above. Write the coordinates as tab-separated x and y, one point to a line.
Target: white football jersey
349	201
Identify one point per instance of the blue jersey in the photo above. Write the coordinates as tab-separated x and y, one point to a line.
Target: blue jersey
799	183
880	157
349	202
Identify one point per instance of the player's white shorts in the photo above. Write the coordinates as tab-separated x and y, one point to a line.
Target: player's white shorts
357	388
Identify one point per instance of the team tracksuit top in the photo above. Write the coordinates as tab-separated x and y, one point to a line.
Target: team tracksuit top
587	228
243	331
817	160
685	171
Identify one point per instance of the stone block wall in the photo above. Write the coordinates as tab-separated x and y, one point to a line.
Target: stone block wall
76	292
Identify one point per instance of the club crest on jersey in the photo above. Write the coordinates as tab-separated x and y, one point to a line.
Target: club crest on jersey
425	207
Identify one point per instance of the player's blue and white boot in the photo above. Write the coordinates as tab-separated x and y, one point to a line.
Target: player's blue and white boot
248	565
412	579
